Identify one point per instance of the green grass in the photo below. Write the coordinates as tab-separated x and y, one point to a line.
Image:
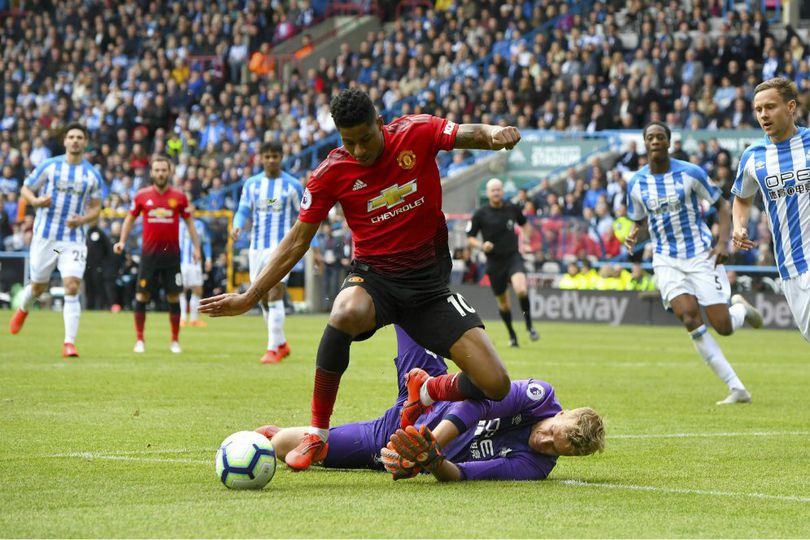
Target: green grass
114	445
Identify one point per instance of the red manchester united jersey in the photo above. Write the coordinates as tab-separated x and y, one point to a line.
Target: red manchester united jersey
161	219
394	207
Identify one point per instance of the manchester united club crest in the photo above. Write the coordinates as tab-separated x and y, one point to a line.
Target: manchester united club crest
172	203
406	159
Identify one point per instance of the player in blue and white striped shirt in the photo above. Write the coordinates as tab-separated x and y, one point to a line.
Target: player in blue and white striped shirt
779	167
271	200
69	198
192	272
688	271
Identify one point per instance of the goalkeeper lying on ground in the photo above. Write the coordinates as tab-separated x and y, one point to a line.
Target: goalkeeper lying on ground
517	438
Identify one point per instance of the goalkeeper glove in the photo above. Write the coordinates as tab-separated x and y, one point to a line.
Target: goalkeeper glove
418	446
399	467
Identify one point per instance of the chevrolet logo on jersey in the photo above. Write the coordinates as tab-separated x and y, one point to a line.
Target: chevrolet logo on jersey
160	215
392	196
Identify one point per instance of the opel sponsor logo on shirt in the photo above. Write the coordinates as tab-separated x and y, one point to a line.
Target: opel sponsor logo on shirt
268	205
66	187
775	183
663	205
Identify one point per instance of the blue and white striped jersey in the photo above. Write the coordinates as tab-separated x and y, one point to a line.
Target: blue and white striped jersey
187	246
272	205
70	188
782	172
671	201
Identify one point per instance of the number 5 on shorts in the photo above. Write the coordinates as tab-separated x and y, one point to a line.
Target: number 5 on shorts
461	305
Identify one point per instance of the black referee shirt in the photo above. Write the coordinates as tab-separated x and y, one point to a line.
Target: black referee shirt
497	225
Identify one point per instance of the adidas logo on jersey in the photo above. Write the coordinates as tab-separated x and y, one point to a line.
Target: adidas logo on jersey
358	184
150	203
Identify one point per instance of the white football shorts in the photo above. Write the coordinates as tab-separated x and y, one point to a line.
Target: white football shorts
257	259
797	293
697	276
192	275
70	258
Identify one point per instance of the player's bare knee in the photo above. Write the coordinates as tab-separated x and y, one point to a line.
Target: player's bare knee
690	319
38	288
498	386
724	327
71	287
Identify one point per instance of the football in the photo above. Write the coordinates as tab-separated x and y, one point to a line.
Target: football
246	460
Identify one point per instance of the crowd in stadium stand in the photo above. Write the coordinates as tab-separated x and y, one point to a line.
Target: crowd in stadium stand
195	80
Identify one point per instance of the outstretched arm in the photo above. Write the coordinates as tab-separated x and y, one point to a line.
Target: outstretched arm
486	137
284	258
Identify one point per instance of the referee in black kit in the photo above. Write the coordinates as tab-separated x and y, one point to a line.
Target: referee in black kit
496	223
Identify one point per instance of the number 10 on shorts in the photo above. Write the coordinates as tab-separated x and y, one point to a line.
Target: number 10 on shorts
461	305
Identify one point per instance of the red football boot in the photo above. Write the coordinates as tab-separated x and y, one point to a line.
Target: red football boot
17	321
69	350
270	357
310	450
413	407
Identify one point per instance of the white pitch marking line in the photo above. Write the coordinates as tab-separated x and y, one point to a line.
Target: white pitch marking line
141	452
716	434
681	491
90	455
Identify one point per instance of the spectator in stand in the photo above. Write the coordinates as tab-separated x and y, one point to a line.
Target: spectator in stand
640	280
628	161
595	192
572	278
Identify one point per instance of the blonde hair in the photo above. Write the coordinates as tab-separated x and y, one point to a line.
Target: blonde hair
587	436
786	88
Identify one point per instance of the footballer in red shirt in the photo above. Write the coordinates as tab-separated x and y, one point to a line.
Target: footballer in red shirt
162	207
386	180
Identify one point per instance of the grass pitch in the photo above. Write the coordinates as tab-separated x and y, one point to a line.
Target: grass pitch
118	445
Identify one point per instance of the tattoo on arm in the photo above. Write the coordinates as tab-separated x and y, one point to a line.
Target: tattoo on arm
473	136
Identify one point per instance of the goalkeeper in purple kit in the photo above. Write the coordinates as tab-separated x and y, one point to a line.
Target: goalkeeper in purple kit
517	438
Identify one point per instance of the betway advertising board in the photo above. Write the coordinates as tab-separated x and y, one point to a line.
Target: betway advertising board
612	307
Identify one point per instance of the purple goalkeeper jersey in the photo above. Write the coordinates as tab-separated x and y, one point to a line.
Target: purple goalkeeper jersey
495	443
494	439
